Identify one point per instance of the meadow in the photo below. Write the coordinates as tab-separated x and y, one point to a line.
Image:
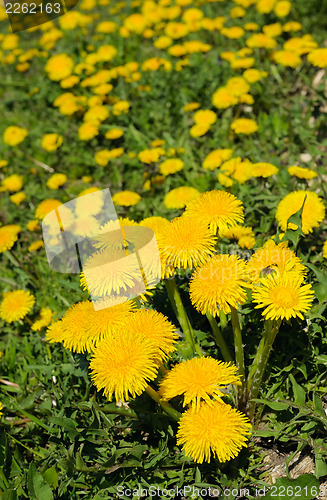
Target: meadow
207	122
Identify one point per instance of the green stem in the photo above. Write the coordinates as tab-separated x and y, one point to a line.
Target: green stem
181	314
164	404
223	319
219	339
26	447
259	363
239	355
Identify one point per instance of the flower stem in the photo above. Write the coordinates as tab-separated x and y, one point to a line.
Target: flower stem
164	404
239	354
219	339
223	319
181	314
259	363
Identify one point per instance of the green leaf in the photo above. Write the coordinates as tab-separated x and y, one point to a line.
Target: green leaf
299	393
37	486
274	405
320	465
51	477
305	486
317	405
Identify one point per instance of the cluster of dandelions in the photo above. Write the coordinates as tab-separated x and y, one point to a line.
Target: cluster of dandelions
132	347
129	348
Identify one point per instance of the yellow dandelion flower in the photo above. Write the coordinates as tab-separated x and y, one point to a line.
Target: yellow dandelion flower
313	210
191	106
114	133
219	284
157	330
82	328
15	305
7	238
223	98
123	366
215	158
110	271
126	198
59	67
205	117
287	58
155	223
14	135
179	197
43	320
283	297
185	242
244	235
318	57
36	245
13	183
218	429
302	173
87	131
171	166
274	257
18	198
51	142
198	379
198	130
56	180
45	207
55	332
238	169
244	126
217	209
263	169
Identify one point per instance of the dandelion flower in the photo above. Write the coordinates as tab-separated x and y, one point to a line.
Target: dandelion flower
244	126
110	271
198	380
13	183
56	180
283	297
318	57
313	211
179	197
126	198
43	320
82	328
14	135
51	142
263	169
274	257
185	242
15	305
55	332
123	365
155	223
171	166
216	428
45	207
219	284
156	328
7	238
217	209
302	173
215	158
